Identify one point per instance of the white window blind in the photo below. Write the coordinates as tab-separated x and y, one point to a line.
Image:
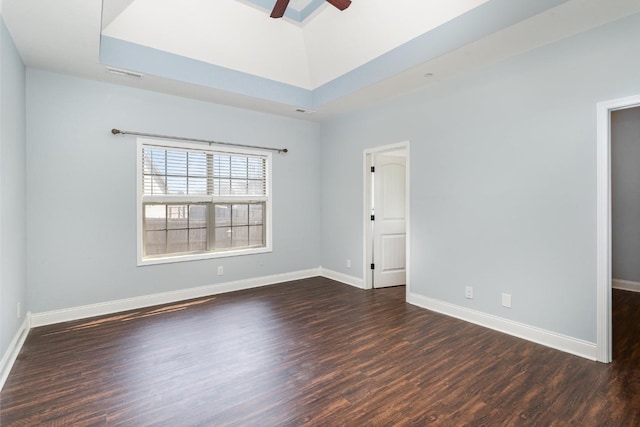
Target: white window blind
198	173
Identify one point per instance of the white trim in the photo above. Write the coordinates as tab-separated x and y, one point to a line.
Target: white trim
530	333
9	357
366	224
626	285
603	222
407	190
139	213
201	256
366	170
110	307
343	278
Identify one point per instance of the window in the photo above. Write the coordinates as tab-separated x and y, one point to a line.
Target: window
196	202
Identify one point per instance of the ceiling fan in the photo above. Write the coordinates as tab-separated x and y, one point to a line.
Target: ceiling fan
281	6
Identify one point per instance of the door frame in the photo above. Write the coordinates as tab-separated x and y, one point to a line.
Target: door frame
366	217
603	223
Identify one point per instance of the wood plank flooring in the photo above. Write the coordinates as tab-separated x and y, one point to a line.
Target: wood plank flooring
313	352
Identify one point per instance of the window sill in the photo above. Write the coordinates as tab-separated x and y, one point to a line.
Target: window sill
201	256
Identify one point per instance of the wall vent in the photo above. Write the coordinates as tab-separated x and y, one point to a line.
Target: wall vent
124	73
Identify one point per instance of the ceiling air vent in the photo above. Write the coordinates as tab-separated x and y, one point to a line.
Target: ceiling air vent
124	73
303	111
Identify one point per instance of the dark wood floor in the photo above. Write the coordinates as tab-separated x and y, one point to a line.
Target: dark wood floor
313	352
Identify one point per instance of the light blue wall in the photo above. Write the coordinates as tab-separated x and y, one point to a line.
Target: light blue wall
81	204
625	194
503	175
503	179
13	282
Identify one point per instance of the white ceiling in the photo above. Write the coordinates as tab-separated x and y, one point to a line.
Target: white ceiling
231	52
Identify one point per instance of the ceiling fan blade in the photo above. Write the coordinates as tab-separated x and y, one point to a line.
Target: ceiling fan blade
279	8
340	4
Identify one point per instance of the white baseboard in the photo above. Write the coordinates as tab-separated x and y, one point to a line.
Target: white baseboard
531	333
550	339
343	278
110	307
9	357
625	285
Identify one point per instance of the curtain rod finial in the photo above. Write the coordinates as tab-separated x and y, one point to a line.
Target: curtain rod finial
115	131
284	150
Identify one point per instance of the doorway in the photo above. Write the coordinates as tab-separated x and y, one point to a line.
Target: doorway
625	231
604	219
625	199
386	216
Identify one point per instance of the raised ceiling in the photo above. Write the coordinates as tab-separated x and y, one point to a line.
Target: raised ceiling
230	35
315	58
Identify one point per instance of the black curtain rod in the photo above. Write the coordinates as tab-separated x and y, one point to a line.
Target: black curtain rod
206	141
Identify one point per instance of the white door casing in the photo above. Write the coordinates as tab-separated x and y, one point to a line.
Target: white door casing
603	261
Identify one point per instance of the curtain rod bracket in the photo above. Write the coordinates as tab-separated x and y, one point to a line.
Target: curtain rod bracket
206	141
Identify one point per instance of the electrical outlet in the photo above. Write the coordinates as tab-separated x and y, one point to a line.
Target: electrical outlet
506	300
348	263
468	292
220	270
18	310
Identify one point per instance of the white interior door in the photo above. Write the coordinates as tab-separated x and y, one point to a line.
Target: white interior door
389	230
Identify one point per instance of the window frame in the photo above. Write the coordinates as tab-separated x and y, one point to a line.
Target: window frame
193	199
